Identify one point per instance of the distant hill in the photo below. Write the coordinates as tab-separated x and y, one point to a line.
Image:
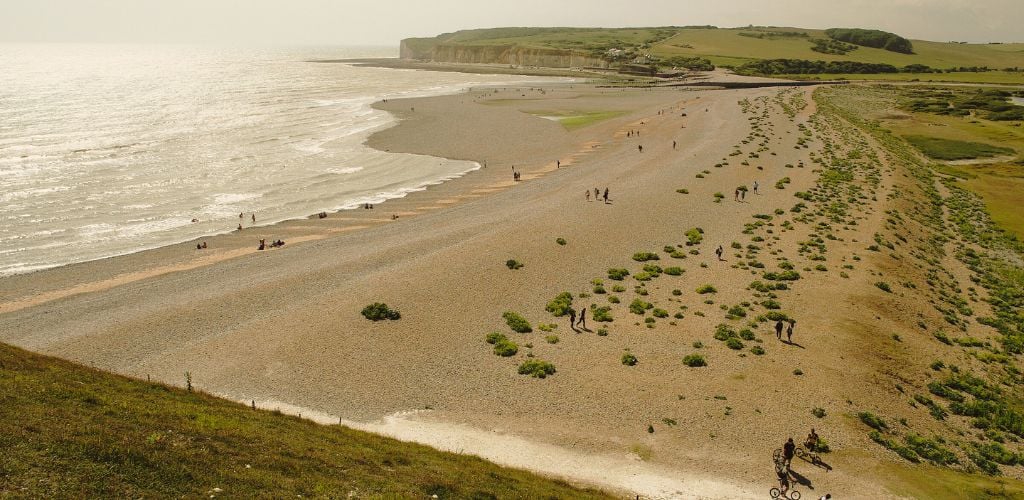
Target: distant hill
729	47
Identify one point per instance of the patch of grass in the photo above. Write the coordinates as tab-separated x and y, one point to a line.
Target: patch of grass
536	368
551	339
694	360
560	241
513	264
644	257
951	150
516	322
639	306
379	311
883	286
706	288
629	359
873	421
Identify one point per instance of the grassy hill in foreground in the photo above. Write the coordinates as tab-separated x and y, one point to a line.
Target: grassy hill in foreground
71	431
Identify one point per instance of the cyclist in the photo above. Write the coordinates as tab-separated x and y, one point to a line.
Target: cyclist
812	441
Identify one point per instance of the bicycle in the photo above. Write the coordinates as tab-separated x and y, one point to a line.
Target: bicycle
791	494
807	454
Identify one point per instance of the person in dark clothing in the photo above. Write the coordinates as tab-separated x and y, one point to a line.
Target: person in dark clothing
583	318
719	251
788	450
640	147
789	330
572	318
606	195
778	330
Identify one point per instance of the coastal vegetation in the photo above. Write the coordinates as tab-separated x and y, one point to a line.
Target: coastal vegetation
379	311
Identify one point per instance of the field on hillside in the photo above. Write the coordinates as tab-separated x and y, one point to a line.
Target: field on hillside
997	175
70	431
987	77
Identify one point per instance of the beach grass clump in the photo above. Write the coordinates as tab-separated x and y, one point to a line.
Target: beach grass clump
639	306
516	322
645	256
560	241
674	271
787	275
883	286
602	314
694	360
552	339
694	236
618	274
659	313
379	311
683	191
734	343
629	359
757	350
781	184
560	305
873	421
536	368
513	264
818	412
706	289
502	345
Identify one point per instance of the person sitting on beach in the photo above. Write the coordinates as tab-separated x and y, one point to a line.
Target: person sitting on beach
239	227
263	245
199	246
204	245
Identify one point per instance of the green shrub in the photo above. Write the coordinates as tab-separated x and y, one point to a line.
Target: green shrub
787	275
495	337
617	274
379	311
771	304
536	368
873	421
705	289
758	350
560	305
602	332
883	286
644	257
506	348
683	191
694	236
513	264
747	334
674	271
629	359
930	450
735	312
698	345
639	306
602	314
818	412
560	241
516	322
551	339
694	360
677	292
659	313
734	343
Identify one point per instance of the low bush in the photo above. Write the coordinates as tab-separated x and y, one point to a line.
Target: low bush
560	241
602	314
873	421
536	368
551	339
639	306
818	412
705	289
757	350
617	274
883	286
694	236
694	360
379	311
644	257
629	359
516	322
674	271
560	305
513	264
734	343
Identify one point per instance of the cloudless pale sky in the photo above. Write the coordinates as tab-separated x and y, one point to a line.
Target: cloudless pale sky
385	22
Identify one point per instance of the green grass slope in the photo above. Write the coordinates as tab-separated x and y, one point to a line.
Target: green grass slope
70	431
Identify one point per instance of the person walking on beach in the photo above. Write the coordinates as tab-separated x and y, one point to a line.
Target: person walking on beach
640	147
254	217
743	194
606	195
583	318
572	318
588	195
788	450
558	163
778	330
789	331
736	195
673	144
719	251
597	194
756	185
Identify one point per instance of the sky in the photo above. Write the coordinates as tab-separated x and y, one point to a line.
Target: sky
385	22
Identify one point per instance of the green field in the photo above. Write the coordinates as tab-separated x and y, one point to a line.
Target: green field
989	77
953	150
72	432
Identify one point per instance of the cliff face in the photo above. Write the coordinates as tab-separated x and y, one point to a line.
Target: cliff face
497	54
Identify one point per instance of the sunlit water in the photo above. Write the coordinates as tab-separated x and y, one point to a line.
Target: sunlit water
108	149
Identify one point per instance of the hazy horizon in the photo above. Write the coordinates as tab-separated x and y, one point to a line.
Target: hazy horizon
384	23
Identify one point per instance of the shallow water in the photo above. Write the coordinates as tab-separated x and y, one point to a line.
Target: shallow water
111	149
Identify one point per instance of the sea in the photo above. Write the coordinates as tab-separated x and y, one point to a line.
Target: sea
112	149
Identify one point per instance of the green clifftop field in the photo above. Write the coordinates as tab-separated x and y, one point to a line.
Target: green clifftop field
734	47
71	431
